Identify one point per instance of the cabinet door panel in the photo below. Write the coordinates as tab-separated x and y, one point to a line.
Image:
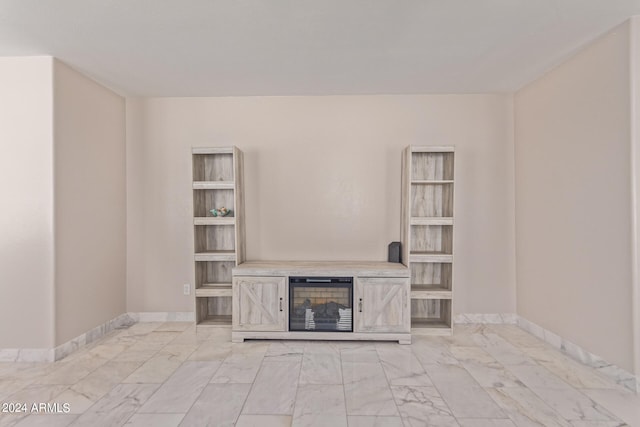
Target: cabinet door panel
259	304
383	304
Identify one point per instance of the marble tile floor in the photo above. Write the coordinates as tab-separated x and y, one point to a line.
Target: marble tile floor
166	374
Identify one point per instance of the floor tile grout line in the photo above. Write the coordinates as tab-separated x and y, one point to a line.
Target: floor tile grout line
344	390
386	376
203	388
295	398
251	388
434	385
513	341
149	413
579	391
121	383
480	385
88	410
526	386
199	394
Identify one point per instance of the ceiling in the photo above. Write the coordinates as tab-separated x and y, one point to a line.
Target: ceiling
307	47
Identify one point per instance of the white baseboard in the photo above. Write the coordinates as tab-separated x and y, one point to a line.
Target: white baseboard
63	350
164	316
616	373
486	318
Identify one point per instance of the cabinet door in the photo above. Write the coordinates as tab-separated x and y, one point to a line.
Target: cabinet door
382	304
259	304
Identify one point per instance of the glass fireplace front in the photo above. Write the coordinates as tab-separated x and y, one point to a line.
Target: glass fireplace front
321	304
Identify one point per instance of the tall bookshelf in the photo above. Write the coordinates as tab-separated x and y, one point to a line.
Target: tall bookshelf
219	241
427	235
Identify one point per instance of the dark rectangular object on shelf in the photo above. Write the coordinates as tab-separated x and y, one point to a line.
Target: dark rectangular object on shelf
394	252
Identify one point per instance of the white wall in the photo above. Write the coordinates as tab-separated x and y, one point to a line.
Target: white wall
322	183
90	203
572	166
26	216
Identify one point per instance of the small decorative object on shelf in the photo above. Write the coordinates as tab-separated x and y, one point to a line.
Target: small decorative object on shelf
394	252
221	211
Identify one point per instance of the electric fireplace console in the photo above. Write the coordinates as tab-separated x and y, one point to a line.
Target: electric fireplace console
333	300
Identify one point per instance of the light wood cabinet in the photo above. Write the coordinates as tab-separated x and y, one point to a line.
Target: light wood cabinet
382	304
261	292
259	304
427	219
218	240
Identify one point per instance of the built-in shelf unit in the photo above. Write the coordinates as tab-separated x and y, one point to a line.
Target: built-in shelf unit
219	241
427	235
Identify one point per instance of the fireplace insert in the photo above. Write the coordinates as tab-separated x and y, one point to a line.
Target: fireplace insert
321	304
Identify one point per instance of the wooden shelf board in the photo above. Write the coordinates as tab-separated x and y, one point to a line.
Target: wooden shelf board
427	322
425	292
430	257
322	268
430	327
220	320
216	285
432	149
214	220
416	220
212	150
431	181
442	330
213	185
216	256
213	291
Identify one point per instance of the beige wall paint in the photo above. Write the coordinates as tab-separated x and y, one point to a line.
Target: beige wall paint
572	130
322	183
26	216
635	184
90	203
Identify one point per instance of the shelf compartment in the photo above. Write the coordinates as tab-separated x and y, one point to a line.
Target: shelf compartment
215	238
213	310
431	275
430	328
431	239
426	292
215	220
216	256
212	273
213	185
432	313
431	201
205	200
432	166
212	166
218	320
416	220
